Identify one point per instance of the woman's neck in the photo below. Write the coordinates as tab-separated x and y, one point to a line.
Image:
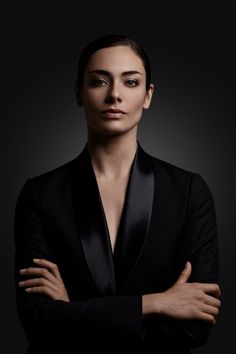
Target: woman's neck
112	156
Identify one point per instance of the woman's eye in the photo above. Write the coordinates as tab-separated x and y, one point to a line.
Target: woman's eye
132	83
98	82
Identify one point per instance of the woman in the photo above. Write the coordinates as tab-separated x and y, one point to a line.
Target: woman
116	247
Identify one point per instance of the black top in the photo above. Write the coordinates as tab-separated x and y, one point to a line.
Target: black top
168	218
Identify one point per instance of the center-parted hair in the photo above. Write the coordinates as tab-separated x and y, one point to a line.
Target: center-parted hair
107	41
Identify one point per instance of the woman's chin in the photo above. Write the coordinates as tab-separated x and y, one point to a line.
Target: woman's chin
113	129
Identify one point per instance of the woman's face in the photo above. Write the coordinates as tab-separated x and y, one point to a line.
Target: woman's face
114	90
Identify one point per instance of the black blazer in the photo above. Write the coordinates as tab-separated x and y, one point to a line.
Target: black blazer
168	218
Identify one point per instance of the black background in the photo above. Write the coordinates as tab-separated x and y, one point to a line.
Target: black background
191	122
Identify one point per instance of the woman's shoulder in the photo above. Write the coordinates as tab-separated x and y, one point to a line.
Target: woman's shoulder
167	167
53	173
49	180
170	173
171	166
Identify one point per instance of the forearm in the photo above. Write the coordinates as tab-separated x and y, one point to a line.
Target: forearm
189	333
183	313
151	304
98	317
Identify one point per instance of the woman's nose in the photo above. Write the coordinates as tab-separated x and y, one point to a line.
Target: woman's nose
113	94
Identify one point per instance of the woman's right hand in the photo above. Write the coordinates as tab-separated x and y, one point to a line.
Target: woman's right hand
199	301
46	280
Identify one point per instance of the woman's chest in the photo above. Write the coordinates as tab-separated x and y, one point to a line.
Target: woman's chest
112	199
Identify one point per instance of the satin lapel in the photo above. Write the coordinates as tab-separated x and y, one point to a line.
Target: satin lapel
92	224
136	215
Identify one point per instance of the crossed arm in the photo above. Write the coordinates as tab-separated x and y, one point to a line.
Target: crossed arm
194	304
190	301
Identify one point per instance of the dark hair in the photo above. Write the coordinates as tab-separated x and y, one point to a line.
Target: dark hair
112	40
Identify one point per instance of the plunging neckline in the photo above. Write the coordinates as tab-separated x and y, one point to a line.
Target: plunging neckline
113	251
110	269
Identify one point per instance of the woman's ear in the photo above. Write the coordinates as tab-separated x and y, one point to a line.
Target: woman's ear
78	94
148	97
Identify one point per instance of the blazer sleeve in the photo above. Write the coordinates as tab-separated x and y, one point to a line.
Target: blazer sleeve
200	247
42	317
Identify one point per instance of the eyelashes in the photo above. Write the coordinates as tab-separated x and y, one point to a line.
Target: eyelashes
98	83
132	82
103	82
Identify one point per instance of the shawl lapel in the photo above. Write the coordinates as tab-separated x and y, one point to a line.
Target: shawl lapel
107	270
135	220
91	223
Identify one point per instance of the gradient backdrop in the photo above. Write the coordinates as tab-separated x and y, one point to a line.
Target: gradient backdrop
190	124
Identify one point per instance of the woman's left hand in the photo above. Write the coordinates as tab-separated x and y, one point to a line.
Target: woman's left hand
47	280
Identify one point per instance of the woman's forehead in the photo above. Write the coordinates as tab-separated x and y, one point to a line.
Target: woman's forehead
118	58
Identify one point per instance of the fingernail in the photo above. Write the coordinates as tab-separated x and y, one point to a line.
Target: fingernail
21	271
36	260
21	283
28	290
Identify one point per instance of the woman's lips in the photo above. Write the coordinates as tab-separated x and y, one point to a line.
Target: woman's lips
113	113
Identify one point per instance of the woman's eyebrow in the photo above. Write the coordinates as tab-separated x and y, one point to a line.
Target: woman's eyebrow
107	73
131	72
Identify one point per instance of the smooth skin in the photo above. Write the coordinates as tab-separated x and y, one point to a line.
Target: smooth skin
115	78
